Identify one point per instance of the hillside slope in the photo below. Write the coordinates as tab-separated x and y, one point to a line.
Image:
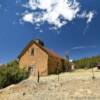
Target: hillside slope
77	85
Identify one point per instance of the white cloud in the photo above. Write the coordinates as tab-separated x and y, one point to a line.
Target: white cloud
89	16
83	47
79	47
28	17
55	12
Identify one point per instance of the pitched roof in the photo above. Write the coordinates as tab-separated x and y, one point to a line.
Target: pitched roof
52	53
49	52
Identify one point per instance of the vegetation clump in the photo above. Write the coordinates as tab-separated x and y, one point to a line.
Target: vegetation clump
11	74
88	62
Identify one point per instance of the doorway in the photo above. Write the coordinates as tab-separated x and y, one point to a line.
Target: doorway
32	70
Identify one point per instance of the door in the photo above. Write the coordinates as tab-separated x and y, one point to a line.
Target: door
32	70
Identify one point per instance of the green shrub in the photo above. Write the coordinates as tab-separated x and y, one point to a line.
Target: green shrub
11	74
88	62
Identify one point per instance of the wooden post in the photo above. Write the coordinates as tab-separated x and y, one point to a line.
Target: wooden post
58	75
38	78
58	71
93	77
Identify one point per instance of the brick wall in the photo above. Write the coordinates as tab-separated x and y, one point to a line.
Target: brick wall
54	64
39	60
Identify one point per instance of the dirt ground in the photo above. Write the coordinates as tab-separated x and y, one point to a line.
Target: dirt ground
77	85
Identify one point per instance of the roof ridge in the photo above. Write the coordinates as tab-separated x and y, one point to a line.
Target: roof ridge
48	51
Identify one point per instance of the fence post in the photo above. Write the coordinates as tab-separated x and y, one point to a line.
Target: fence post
38	77
58	74
93	77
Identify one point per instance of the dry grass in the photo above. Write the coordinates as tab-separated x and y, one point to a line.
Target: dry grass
76	85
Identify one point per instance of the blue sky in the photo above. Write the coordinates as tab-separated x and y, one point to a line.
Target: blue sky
79	35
